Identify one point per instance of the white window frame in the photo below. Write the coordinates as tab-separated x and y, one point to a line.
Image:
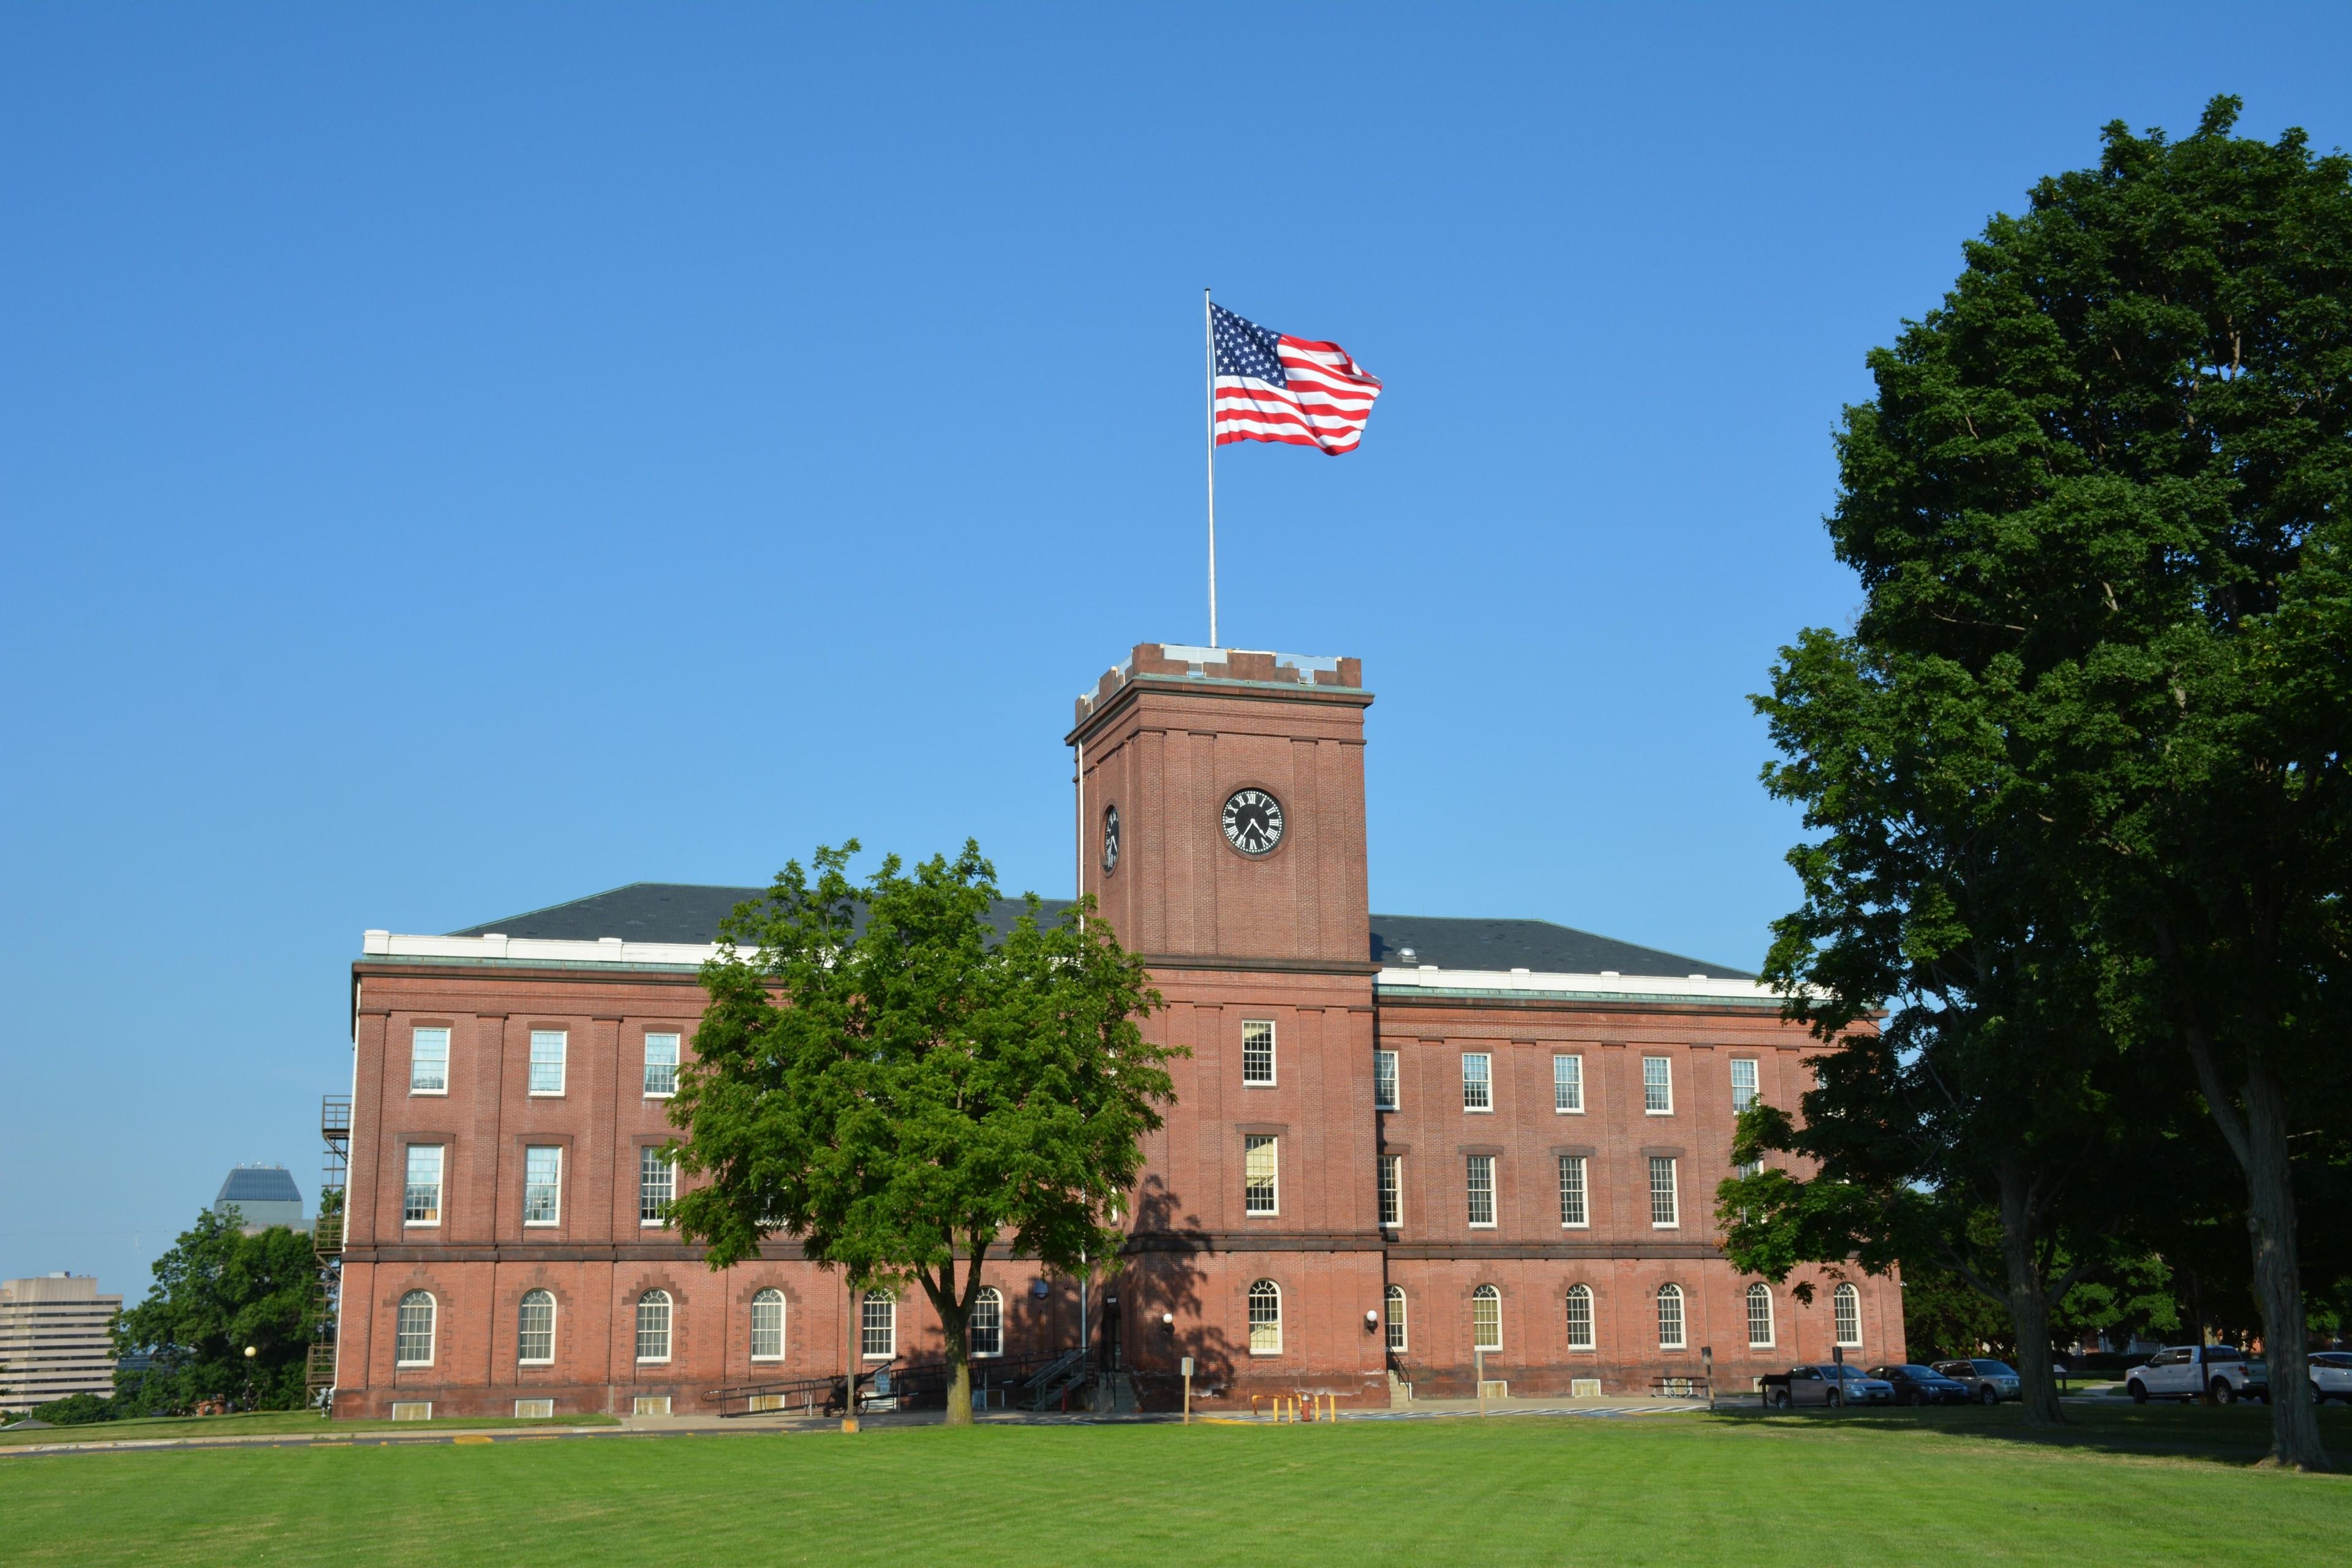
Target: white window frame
1580	1295
523	1329
417	1058
1271	1294
1658	1090
1845	1302
1575	1194
1474	1167
1761	1293
402	1335
659	1302
555	1211
548	1067
1484	1296
652	1091
878	1323
650	1159
409	1183
1681	1315
1392	1192
534	1409
771	1296
1384	1080
1270	1187
1673	1192
987	1315
1566	1083
1249	1027
1747	1094
1396	1320
1479	1086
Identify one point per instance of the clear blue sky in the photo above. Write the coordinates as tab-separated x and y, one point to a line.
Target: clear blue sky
454	459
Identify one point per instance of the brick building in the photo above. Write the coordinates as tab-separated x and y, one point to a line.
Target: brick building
1399	1142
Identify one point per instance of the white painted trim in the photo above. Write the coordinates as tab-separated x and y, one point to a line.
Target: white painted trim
1430	978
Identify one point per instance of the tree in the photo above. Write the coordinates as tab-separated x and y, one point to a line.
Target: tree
2118	464
217	1291
896	1085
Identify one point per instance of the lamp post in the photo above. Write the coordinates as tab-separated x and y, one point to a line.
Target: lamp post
250	1352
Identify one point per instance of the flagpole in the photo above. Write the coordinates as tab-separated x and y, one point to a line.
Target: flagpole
1209	345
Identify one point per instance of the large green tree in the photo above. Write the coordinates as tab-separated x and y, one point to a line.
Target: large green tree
2115	466
217	1291
887	1078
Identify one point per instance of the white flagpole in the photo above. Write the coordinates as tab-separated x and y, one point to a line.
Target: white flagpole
1209	341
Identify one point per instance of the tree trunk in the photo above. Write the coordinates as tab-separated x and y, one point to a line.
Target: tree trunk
955	1325
2278	1271
2028	1299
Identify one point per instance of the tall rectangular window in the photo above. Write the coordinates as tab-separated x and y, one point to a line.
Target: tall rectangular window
877	1327
1572	1211
1391	1193
656	1185
1657	1086
547	1060
1257	1052
1477	1081
1567	1084
1482	1189
423	1190
661	1064
1261	1176
428	1061
543	1185
1743	1082
1384	1080
1664	1212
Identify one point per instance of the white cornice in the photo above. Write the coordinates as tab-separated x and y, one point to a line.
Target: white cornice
1431	982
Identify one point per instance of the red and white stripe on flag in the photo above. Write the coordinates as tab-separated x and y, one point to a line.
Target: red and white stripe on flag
1328	398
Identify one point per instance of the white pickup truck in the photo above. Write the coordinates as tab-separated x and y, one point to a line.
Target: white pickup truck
2180	1371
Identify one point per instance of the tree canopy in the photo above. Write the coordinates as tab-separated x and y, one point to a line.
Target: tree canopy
217	1291
889	1080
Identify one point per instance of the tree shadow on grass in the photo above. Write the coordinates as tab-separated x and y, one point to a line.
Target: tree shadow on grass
2226	1435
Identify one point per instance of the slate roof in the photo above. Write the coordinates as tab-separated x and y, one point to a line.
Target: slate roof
688	913
260	1185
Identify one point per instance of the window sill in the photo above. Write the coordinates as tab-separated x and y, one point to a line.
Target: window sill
645	1362
1261	1213
1668	1112
1259	1083
420	1225
1576	1225
549	1362
1669	1225
1265	1352
1482	1224
870	1355
1568	1111
660	1094
412	1367
1477	1111
416	1093
544	1094
766	1359
543	1225
1674	1347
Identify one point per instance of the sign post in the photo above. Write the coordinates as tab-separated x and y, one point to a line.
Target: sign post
1478	1365
1706	1370
1188	1391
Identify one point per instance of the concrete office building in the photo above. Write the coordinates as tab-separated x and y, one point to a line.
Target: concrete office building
56	1339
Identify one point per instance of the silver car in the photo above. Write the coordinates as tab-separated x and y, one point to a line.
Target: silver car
2331	1376
1989	1382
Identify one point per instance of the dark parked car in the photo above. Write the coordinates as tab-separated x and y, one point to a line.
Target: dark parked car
1989	1382
1917	1385
1825	1383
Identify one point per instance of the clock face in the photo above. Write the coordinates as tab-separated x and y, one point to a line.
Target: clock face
1253	822
1110	838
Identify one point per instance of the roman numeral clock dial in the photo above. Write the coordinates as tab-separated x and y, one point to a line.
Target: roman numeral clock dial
1253	822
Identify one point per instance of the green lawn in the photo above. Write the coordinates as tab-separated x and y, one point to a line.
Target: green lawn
1747	1491
265	1423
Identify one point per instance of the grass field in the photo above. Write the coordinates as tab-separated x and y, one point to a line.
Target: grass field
262	1423
1961	1488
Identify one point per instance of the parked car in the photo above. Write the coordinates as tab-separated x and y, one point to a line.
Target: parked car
1917	1385
2180	1371
1827	1383
2331	1376
1989	1382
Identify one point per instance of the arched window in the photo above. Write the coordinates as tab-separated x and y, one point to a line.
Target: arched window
768	1326
535	1329
1670	1317
653	1326
1396	1320
985	1332
413	1340
877	1326
1486	1319
1265	1317
1847	1303
1579	1317
1759	1317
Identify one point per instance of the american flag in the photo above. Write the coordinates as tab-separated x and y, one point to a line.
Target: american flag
1270	387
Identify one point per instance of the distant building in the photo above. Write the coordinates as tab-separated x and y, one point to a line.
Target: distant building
263	1195
55	1340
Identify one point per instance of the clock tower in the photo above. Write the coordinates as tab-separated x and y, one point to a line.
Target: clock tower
1221	815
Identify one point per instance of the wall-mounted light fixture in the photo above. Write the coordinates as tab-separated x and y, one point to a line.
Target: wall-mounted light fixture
1371	1320
1167	1322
